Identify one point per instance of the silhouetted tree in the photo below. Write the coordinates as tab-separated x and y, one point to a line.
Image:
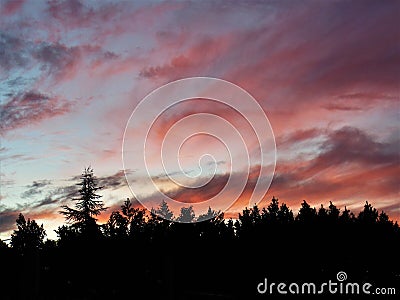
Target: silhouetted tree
275	214
249	221
230	230
255	215
245	223
368	215
285	215
28	236
333	212
212	225
383	220
306	213
158	253
163	211
138	221
3	245
187	215
209	215
117	225
270	214
87	206
347	216
127	210
66	234
322	213
245	220
159	220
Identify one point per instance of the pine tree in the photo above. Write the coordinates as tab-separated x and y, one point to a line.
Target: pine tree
128	210
306	213
209	215
322	213
369	215
285	215
187	215
270	214
333	212
87	206
347	216
163	211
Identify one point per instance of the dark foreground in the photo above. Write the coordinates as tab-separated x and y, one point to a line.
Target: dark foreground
216	259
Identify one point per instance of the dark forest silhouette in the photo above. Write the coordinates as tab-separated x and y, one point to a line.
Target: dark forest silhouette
139	254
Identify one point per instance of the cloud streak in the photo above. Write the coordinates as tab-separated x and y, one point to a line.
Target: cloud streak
35	188
31	107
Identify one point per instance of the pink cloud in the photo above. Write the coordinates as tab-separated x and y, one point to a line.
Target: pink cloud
31	107
10	7
196	60
314	69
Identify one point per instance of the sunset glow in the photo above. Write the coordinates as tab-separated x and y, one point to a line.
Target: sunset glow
325	73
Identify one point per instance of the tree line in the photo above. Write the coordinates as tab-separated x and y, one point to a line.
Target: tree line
171	259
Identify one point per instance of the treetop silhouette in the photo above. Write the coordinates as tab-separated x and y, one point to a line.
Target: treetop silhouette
87	206
187	215
163	211
28	236
157	253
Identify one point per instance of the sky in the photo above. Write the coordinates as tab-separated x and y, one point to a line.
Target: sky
325	73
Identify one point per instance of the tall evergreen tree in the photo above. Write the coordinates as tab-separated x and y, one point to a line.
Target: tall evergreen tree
87	206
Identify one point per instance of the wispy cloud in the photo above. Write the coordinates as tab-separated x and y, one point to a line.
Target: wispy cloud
9	7
7	219
350	166
114	181
35	188
31	107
